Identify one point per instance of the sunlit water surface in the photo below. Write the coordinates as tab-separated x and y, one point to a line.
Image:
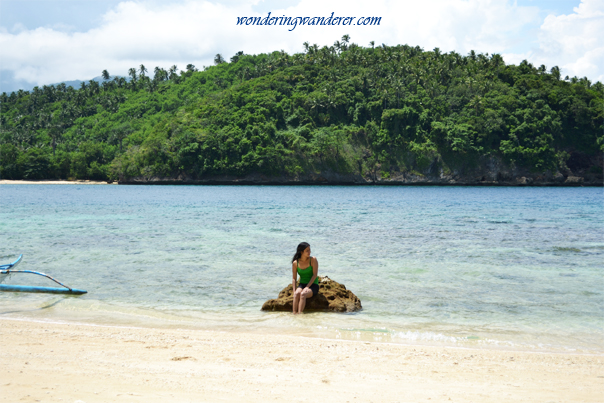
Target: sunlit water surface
476	267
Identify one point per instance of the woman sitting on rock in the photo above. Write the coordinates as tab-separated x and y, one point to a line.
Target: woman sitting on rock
309	279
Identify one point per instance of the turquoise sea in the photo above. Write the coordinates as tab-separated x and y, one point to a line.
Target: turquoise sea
518	268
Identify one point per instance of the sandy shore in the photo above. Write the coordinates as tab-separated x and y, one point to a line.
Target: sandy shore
45	362
53	182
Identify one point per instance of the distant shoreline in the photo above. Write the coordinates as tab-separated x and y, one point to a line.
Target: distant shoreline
317	182
53	182
378	183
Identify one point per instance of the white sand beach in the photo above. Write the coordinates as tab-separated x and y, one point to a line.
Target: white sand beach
50	362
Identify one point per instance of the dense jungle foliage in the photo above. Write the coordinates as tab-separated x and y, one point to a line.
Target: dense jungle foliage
343	108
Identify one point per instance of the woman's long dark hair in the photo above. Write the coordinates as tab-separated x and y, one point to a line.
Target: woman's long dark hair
301	248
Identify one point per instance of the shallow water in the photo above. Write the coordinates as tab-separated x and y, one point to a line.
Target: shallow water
494	267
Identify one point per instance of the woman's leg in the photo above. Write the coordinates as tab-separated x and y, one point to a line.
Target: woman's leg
297	292
303	295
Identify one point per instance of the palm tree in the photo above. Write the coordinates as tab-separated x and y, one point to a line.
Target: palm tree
236	57
585	81
142	69
105	75
218	59
152	85
120	133
190	67
345	40
55	134
172	72
93	86
132	73
158	74
337	45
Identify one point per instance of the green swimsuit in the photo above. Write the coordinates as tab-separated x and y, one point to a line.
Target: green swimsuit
306	274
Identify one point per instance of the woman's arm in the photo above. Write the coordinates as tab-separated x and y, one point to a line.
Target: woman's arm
294	275
315	271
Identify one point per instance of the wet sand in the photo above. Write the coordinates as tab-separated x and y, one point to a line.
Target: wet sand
48	362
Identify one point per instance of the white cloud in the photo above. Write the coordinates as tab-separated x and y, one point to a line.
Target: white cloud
572	42
157	34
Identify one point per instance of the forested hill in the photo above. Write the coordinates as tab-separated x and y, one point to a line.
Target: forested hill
337	114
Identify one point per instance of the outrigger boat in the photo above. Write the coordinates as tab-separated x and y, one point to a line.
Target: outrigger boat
8	269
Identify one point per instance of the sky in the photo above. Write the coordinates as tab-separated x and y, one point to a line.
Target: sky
49	41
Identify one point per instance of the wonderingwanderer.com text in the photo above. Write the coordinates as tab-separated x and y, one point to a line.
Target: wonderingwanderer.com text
309	21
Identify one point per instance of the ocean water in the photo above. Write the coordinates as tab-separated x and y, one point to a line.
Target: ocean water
518	268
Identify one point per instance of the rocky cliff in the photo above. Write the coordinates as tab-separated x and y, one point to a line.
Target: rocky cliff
580	170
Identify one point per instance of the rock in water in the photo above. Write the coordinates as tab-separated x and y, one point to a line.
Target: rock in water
332	296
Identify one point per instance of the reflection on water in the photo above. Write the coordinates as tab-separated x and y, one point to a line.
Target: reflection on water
465	266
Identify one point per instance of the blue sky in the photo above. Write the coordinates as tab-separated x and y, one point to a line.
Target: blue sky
64	14
48	41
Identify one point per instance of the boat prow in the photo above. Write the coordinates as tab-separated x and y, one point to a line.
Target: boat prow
5	268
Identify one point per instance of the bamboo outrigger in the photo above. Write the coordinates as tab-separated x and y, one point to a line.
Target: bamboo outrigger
8	269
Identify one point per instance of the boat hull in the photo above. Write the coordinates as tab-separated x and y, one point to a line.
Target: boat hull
50	290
